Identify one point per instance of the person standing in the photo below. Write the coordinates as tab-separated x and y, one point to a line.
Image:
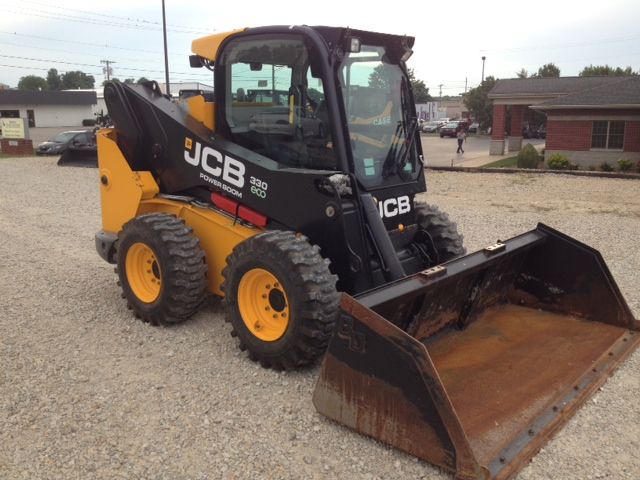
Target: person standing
461	138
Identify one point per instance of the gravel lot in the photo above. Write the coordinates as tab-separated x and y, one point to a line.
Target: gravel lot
88	391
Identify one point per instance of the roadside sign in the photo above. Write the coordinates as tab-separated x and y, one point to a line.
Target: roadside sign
15	128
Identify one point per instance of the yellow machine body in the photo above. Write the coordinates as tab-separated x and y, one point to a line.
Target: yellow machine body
207	47
126	194
202	111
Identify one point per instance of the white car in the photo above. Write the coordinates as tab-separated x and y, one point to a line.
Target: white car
430	127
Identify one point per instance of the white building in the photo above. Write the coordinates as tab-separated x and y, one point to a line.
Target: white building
177	86
49	108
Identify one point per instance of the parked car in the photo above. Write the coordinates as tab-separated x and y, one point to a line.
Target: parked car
449	130
76	139
473	128
430	127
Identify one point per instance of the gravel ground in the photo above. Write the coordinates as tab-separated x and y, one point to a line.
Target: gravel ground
88	391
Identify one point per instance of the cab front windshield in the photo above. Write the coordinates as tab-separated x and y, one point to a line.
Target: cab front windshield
382	130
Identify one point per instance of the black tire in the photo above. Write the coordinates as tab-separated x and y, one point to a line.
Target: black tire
443	231
309	292
177	263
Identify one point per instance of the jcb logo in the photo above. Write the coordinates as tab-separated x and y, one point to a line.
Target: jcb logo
214	163
394	206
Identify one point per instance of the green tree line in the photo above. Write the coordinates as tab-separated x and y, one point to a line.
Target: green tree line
64	81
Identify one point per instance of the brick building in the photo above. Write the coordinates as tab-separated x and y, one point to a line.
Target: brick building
589	119
596	125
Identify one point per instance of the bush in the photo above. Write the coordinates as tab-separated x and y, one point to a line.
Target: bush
605	167
89	122
528	157
558	161
624	164
592	168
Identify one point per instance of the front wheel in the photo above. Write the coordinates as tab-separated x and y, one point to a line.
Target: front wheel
281	299
443	231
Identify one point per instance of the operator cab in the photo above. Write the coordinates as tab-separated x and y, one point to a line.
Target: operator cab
318	98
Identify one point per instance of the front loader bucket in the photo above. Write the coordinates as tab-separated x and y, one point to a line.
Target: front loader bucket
475	364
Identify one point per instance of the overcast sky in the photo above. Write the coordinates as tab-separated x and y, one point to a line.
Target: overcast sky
451	37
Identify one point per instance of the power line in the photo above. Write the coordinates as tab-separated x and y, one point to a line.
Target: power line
90	21
76	52
91	65
128	19
204	75
106	45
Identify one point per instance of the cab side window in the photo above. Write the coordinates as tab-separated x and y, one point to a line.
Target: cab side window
275	106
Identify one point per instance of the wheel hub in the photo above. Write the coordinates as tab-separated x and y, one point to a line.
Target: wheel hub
263	304
143	272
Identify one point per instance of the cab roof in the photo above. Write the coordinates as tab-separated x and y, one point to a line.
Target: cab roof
207	47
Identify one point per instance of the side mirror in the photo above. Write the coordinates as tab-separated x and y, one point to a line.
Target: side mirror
195	61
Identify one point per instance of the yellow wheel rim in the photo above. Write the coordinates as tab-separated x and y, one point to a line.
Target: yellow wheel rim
143	272
263	304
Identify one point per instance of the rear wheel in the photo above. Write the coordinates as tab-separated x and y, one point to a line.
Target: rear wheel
161	268
443	231
281	299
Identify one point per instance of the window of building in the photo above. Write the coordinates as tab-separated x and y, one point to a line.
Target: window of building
608	134
10	113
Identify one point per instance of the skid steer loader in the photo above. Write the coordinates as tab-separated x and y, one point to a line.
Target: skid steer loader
297	180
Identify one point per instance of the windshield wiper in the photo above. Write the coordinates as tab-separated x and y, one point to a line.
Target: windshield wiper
390	161
408	145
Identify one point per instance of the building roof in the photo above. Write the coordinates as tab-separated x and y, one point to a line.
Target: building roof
621	92
551	86
29	97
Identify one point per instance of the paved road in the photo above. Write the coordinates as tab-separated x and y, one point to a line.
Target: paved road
441	152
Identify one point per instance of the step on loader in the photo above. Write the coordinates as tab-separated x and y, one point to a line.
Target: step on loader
290	191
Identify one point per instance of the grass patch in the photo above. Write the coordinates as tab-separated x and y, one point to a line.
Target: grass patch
509	162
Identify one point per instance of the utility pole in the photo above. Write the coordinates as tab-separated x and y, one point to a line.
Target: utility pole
440	86
107	70
166	56
465	84
483	59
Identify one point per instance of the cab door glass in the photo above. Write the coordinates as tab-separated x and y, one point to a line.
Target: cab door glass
275	104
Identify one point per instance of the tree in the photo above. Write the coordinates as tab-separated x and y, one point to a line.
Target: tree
382	75
606	70
523	73
53	79
77	79
32	82
129	80
477	102
420	90
142	80
548	70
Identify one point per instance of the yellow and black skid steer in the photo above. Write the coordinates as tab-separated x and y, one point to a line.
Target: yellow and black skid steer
290	192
